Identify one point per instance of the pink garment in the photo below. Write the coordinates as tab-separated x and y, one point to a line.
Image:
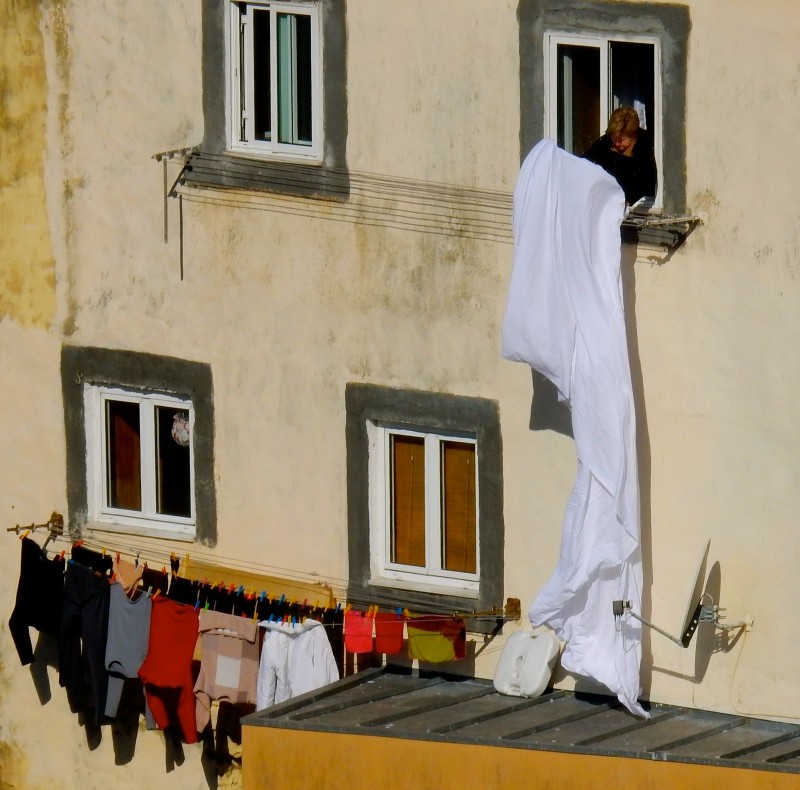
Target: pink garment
229	662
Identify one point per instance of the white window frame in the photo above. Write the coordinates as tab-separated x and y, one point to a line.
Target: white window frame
239	35
147	521
552	39
432	578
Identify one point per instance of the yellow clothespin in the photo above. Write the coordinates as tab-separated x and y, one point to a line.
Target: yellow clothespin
25	534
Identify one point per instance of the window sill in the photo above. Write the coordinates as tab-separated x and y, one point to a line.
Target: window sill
429	589
140	531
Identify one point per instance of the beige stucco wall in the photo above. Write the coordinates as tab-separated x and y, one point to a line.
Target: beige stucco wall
289	307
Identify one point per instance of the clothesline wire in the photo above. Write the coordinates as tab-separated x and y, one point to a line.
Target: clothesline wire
352	593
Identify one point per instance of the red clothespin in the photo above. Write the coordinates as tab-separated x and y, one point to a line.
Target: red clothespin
117	558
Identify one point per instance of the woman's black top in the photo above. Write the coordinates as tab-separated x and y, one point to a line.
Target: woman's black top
636	174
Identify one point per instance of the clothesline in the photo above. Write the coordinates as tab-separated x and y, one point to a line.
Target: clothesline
342	593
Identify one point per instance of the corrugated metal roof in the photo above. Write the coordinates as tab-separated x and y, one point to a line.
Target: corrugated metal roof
398	703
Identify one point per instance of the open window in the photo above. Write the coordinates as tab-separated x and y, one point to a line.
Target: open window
140	441
274	98
275	64
587	77
580	59
140	460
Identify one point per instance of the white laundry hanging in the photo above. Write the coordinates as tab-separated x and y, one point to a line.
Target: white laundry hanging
564	317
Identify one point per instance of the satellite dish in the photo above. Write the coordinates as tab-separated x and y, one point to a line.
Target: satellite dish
694	605
696	610
693	609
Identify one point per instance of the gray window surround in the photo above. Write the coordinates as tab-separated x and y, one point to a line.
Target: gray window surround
419	409
145	373
669	22
212	165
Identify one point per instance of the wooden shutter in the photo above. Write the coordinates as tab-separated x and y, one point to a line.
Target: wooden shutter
458	507
408	499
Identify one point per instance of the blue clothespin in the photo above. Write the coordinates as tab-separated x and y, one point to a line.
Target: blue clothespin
399	612
283	598
240	591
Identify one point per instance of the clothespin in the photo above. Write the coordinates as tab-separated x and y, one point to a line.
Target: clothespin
25	534
61	556
136	561
117	558
347	608
399	613
78	543
149	592
240	591
338	606
103	552
305	602
283	598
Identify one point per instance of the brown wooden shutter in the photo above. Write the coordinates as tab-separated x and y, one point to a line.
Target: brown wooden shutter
408	500
458	507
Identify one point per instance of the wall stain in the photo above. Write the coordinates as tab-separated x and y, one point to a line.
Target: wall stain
27	262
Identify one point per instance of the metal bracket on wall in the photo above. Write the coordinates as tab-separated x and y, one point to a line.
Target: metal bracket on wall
668	232
170	191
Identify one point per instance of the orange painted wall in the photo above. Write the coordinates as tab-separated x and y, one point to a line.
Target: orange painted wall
288	759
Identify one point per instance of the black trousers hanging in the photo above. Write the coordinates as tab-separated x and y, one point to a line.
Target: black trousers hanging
84	632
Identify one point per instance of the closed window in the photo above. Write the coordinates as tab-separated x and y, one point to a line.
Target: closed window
139	459
275	63
424	526
424	500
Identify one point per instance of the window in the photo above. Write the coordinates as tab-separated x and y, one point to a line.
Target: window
139	459
424	524
424	499
580	59
588	77
275	62
274	98
140	433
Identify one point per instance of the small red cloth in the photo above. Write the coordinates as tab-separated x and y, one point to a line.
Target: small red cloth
358	631
389	629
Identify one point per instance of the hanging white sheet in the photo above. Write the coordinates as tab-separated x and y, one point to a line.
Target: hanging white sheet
564	317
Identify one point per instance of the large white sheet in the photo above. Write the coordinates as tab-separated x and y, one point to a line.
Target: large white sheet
564	317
